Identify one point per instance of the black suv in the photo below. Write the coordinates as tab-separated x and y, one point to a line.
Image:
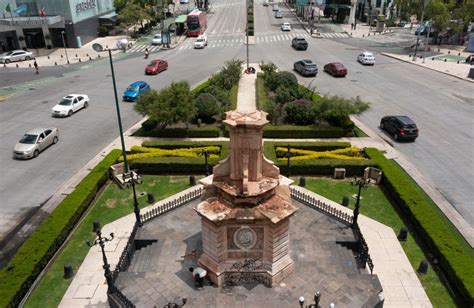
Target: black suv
299	43
400	127
306	68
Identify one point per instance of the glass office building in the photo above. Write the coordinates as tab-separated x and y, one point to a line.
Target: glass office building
52	23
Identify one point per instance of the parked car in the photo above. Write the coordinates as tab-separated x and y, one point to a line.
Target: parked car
155	67
265	3
400	127
421	30
278	14
306	68
286	26
275	7
133	92
299	43
201	42
366	58
16	55
336	69
70	104
35	141
156	39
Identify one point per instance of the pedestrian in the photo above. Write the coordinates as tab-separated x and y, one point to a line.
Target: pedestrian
352	26
355	25
36	67
198	274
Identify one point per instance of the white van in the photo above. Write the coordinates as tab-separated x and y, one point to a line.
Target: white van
275	7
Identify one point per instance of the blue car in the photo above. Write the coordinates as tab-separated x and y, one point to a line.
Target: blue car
421	30
133	92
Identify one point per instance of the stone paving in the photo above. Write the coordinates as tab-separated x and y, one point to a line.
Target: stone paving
159	272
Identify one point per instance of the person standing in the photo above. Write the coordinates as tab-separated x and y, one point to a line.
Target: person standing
36	67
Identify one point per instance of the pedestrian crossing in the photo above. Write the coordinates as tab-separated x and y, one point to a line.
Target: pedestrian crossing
229	41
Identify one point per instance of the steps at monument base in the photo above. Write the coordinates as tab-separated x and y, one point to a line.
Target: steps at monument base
346	259
143	259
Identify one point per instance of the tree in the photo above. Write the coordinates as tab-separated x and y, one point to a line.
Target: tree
171	105
207	107
228	76
439	13
132	14
301	112
336	110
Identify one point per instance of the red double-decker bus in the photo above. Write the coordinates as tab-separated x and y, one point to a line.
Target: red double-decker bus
196	23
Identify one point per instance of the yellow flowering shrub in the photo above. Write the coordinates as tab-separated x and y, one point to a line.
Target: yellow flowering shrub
351	153
144	152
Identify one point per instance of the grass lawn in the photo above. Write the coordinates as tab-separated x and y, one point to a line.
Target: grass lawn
112	204
375	205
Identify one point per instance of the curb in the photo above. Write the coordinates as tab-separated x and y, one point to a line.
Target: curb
433	69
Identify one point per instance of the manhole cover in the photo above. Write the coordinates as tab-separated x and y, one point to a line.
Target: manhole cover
77	76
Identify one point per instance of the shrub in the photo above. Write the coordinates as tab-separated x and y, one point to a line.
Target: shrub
149	124
301	112
198	132
291	131
455	256
262	98
37	250
207	107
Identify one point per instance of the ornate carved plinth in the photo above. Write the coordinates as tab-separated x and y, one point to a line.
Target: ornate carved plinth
246	211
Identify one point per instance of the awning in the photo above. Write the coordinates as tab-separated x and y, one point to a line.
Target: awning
181	19
108	19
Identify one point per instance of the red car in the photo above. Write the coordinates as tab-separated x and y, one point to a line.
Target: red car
156	66
336	69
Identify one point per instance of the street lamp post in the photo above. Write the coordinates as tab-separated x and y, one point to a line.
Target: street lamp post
247	31
427	40
101	242
64	44
206	156
288	156
136	207
362	183
419	32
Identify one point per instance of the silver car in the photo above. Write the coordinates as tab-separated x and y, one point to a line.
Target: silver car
16	55
35	141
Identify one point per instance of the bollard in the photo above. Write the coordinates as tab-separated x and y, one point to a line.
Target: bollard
345	201
80	60
192	180
432	58
29	64
423	268
402	236
48	57
459	53
444	59
55	63
61	56
76	55
67	61
68	272
457	62
449	52
17	66
363	35
90	58
409	55
4	65
87	54
439	50
151	198
302	181
98	56
106	46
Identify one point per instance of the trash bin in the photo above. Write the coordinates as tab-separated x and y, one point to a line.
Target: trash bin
78	42
471	73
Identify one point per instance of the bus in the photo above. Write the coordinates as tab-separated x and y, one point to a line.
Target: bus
196	23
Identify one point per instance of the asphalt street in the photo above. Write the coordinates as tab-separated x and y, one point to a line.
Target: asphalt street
441	105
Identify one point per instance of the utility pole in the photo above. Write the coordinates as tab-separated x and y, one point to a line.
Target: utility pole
419	32
427	40
247	30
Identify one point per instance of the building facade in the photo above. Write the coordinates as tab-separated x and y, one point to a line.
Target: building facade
52	23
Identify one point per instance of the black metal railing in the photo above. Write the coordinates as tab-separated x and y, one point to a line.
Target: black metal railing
321	206
127	254
172	204
362	250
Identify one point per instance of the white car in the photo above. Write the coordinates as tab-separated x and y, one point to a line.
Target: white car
156	39
286	26
200	42
366	58
70	104
16	55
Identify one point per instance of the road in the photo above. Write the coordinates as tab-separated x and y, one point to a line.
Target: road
441	105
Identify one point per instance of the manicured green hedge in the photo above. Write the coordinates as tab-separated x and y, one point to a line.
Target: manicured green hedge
233	97
455	256
316	166
202	132
37	250
262	97
177	165
293	131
